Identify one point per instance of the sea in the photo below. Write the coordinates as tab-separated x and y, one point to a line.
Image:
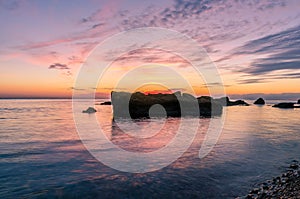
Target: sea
42	154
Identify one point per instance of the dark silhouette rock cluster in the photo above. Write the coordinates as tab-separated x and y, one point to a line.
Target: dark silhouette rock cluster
225	101
260	101
288	105
138	105
285	105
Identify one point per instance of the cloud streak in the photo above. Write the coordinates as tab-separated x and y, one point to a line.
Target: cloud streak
10	5
281	51
258	31
59	66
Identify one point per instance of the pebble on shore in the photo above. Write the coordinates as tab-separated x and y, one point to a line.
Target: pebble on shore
285	186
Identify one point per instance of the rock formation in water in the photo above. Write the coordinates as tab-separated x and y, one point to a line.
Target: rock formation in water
139	105
105	103
225	101
260	101
298	101
90	110
285	105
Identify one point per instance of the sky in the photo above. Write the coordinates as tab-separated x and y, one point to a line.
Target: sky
254	44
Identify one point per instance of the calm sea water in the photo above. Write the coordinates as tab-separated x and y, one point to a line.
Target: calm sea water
41	155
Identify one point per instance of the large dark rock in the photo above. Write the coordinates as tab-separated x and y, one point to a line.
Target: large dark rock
138	105
260	101
298	101
285	105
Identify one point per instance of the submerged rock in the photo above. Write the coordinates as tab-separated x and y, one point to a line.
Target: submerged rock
285	105
90	110
260	101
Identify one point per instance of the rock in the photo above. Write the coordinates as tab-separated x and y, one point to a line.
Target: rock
294	166
204	99
137	105
263	195
226	102
238	103
208	109
223	101
265	187
255	191
105	103
286	186
284	105
298	101
90	110
260	101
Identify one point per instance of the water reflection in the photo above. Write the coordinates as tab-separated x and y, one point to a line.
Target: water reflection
41	154
156	134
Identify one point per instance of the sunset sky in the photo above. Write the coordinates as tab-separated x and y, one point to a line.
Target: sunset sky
254	44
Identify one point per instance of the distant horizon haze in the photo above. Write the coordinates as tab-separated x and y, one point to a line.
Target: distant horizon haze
252	96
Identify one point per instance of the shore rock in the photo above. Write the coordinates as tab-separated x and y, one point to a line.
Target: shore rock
298	101
138	105
260	101
90	110
285	105
285	186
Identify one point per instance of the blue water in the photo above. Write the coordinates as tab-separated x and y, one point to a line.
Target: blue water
42	156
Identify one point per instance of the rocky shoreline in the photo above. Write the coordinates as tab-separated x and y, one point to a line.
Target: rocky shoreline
285	186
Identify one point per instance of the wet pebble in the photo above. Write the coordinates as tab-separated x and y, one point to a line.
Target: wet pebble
285	186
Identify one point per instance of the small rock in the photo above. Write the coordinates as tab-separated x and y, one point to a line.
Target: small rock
90	110
266	187
105	103
294	166
278	179
286	186
263	195
255	191
260	101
